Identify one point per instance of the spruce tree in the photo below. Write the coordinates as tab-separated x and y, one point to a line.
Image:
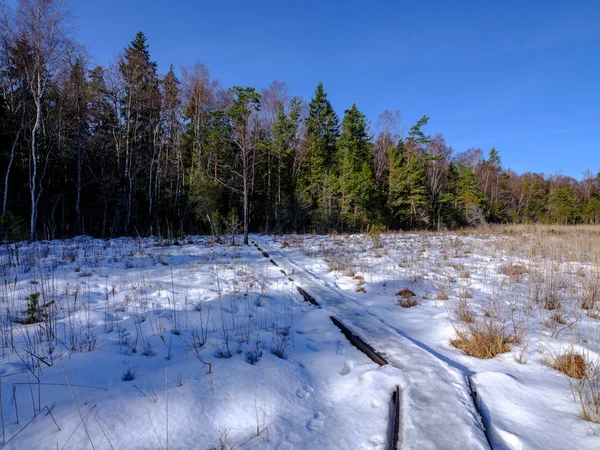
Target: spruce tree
356	179
316	186
285	137
141	114
407	182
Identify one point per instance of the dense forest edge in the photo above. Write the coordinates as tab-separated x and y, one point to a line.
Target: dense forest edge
124	150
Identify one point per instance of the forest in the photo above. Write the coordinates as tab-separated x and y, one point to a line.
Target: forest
126	150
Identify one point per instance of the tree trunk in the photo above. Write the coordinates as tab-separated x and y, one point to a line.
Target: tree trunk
33	160
10	161
245	203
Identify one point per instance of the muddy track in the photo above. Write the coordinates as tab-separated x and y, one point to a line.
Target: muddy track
323	284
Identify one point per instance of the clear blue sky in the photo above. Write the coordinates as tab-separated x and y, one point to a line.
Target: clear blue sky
523	76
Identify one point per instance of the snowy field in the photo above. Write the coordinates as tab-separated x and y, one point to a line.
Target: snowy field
145	344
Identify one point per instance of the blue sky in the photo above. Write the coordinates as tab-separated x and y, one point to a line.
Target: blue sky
523	76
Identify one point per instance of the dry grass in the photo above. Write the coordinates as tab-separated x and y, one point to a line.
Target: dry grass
463	312
442	295
406	293
482	346
408	302
571	364
407	298
559	318
587	388
513	270
484	340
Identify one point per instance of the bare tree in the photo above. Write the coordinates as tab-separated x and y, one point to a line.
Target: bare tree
40	37
244	135
199	97
436	172
274	98
388	134
11	79
76	123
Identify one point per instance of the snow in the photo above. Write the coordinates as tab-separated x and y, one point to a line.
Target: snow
144	305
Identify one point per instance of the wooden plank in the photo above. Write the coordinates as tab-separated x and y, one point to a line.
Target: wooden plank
359	343
396	419
309	298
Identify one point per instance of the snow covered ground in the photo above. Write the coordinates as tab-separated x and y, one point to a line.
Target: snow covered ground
144	344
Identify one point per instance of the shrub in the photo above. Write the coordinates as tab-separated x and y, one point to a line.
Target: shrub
86	342
463	312
129	374
586	388
148	350
281	341
254	354
375	235
442	295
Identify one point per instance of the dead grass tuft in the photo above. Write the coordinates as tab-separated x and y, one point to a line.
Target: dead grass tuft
571	364
513	270
408	302
442	295
483	341
406	293
463	312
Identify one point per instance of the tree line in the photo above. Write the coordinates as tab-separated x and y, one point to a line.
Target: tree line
124	150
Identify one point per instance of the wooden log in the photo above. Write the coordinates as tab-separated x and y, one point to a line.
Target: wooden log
359	343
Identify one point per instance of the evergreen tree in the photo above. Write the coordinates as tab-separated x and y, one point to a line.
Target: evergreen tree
103	155
356	179
285	138
563	205
317	182
469	196
140	110
407	180
77	133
